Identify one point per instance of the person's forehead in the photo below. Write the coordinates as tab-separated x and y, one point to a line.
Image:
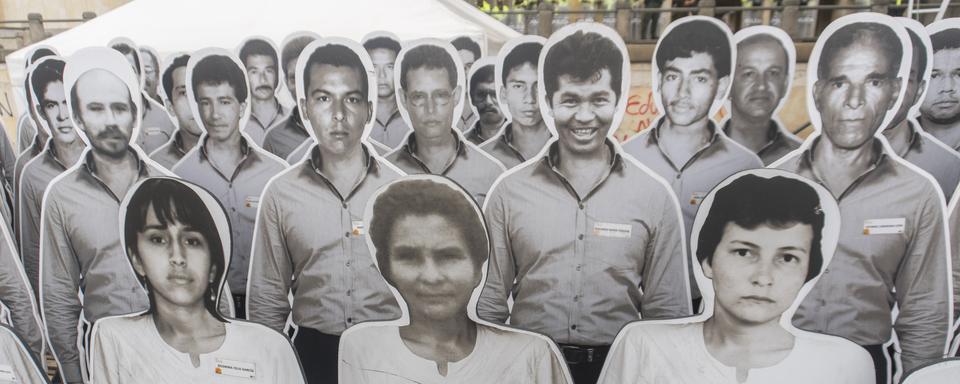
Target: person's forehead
861	54
257	59
947	57
600	79
519	70
322	74
100	84
179	76
763	47
219	89
696	61
382	53
437	229
427	75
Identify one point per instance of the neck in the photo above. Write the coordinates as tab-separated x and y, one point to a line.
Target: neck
458	329
107	165
572	164
188	139
699	128
428	147
488	130
386	106
264	106
335	165
193	321
852	161
68	153
898	135
231	144
749	131
724	331
936	127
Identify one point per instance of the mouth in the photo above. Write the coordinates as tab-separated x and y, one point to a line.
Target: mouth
946	103
180	279
682	106
585	132
758	299
340	135
65	129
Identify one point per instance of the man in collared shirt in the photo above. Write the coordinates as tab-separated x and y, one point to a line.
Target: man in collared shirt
260	60
17	299
761	79
940	111
469	52
76	256
156	126
482	94
289	133
389	128
26	126
892	251
429	91
905	136
151	73
310	235
584	239
39	140
526	133
232	169
174	84
62	150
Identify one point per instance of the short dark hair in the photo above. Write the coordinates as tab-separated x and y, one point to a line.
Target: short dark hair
945	39
219	69
292	50
526	53
419	197
582	56
126	49
382	42
429	57
43	74
751	201
863	32
483	74
179	62
257	47
696	36
39	54
919	54
338	56
175	200
465	43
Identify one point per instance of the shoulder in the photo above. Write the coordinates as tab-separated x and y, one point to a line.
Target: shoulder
65	183
522	176
123	326
269	161
266	337
639	143
489	163
832	350
520	342
366	338
735	153
657	335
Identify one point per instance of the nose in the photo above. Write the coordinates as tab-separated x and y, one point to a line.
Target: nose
764	83
432	105
263	77
530	96
381	74
338	110
684	87
62	111
854	99
951	84
430	274
177	257
762	274
584	113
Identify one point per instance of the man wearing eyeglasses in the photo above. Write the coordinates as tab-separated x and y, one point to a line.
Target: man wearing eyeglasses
429	91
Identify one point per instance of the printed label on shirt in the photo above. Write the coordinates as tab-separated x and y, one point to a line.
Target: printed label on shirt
251	201
697	197
7	375
357	228
612	230
884	226
235	368
153	131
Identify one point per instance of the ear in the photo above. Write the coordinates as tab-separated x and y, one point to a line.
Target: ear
898	82
457	93
213	276
707	269
303	109
135	262
817	89
919	96
503	96
722	85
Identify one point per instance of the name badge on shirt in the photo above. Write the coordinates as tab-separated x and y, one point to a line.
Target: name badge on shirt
884	226
251	201
357	229
697	197
235	368
612	230
153	131
7	375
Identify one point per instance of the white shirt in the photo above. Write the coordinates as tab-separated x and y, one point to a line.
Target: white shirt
130	350
16	365
677	353
944	372
377	355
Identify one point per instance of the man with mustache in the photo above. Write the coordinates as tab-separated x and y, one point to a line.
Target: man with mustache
80	249
61	151
483	96
940	111
430	90
389	128
892	252
526	133
469	52
584	239
260	60
310	240
225	162
289	133
761	80
174	83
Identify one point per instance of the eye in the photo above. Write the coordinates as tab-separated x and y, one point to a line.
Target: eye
742	252
323	98
195	241
95	107
790	258
837	84
157	239
353	100
702	79
671	77
876	82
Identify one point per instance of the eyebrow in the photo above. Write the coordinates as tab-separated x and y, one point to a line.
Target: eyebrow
154	226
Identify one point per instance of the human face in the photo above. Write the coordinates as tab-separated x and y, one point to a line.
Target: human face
483	96
760	80
291	78
688	87
911	95
383	61
942	103
132	60
175	259
262	72
55	112
220	110
107	113
181	103
757	273
336	107
149	73
430	101
467	58
583	112
520	95
431	267
855	96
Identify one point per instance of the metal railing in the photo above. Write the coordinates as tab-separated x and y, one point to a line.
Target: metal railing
16	34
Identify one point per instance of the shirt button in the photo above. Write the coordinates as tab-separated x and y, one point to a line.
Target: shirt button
344	205
579	266
581	206
346	234
350	320
349	292
576	298
678	176
573	327
233	209
580	236
348	263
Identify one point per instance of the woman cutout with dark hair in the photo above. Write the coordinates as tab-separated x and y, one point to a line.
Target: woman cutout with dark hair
176	236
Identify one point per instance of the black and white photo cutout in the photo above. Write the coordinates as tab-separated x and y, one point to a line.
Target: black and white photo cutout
156	127
389	129
940	110
17	366
482	94
173	89
288	134
261	61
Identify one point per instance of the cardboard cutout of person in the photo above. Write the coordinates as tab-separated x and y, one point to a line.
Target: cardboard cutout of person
761	240
762	78
262	63
16	364
893	249
594	237
177	239
26	123
173	85
156	128
151	72
469	51
482	94
940	110
389	128
288	134
430	83
524	134
941	372
83	276
225	161
309	237
429	241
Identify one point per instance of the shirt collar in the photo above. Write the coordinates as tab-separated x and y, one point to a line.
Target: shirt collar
91	166
552	157
393	116
297	121
806	162
244	147
410	148
714	132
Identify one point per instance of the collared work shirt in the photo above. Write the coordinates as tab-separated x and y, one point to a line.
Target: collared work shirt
80	251
472	168
474	134
257	130
35	179
157	127
779	142
501	147
16	361
286	135
580	267
8	157
27	156
467	120
239	192
892	250
935	158
170	153
16	296
310	241
391	132
26	130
